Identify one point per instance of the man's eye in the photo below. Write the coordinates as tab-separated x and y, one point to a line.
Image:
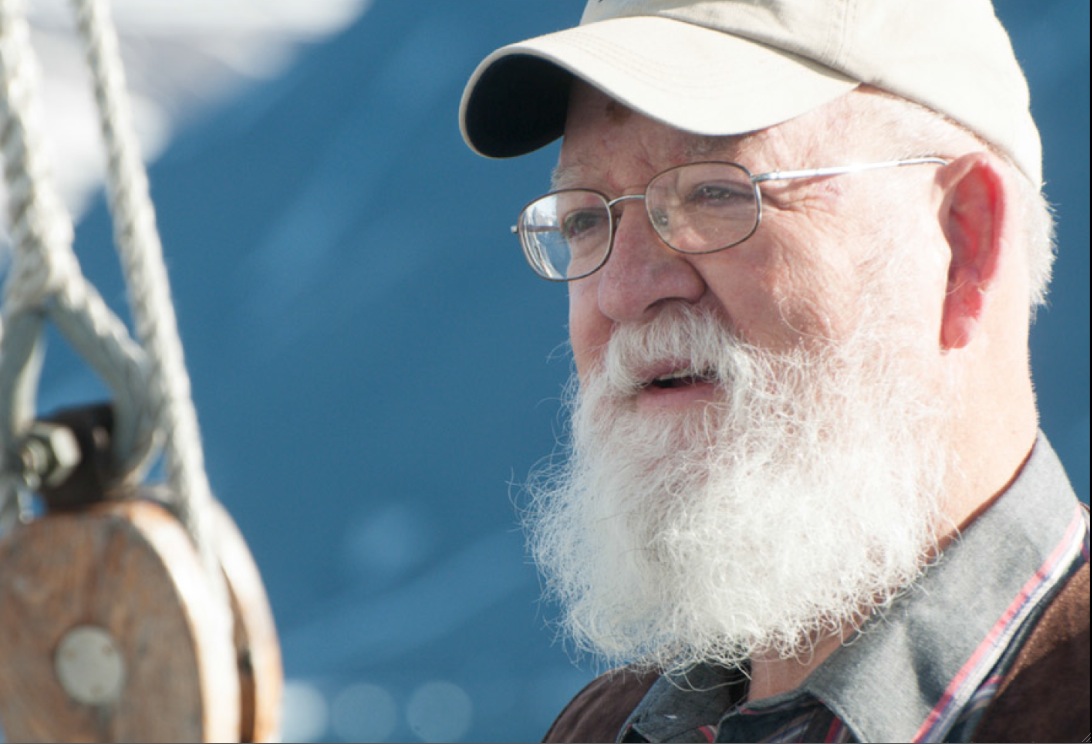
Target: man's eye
714	195
582	224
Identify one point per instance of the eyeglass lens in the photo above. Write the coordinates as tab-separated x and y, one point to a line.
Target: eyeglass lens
694	208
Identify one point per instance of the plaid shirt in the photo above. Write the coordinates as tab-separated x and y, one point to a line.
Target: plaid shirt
925	669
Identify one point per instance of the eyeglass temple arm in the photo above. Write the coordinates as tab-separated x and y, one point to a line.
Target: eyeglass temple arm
838	170
514	229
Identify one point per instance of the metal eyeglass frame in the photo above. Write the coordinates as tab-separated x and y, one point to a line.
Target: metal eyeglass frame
788	175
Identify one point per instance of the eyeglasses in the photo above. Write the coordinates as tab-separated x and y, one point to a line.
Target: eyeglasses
695	208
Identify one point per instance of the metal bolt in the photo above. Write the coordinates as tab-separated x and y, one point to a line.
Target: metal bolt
49	453
90	666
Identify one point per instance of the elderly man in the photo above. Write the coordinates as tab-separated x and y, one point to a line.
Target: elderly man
807	498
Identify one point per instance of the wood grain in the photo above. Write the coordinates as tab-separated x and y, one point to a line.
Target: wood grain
129	568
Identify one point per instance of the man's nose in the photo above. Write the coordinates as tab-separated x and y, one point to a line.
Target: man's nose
643	272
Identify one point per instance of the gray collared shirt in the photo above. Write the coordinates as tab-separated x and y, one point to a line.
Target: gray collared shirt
923	670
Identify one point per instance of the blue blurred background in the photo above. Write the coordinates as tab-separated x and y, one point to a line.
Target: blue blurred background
376	371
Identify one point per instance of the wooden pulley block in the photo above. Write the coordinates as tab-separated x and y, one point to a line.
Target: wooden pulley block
257	649
109	631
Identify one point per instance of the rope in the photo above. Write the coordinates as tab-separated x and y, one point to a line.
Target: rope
45	278
149	291
150	383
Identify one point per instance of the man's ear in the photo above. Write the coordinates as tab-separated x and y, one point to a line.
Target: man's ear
972	215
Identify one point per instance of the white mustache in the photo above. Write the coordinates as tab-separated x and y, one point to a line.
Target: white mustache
688	341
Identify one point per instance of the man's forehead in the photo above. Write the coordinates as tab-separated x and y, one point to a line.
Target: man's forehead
856	124
607	119
574	171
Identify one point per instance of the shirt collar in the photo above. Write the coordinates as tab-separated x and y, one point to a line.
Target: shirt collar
909	671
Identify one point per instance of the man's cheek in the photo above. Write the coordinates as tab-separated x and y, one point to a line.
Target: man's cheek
589	330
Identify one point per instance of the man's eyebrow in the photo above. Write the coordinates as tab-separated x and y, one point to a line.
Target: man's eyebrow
564	177
700	148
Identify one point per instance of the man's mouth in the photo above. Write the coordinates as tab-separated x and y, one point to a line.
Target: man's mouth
676	386
680	378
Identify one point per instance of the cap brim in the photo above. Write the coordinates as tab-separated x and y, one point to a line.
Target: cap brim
690	77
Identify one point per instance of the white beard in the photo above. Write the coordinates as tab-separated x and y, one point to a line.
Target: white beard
798	503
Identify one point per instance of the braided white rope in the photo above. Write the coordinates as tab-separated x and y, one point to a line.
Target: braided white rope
45	279
142	261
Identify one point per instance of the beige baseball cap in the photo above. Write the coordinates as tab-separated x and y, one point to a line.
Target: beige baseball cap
722	67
